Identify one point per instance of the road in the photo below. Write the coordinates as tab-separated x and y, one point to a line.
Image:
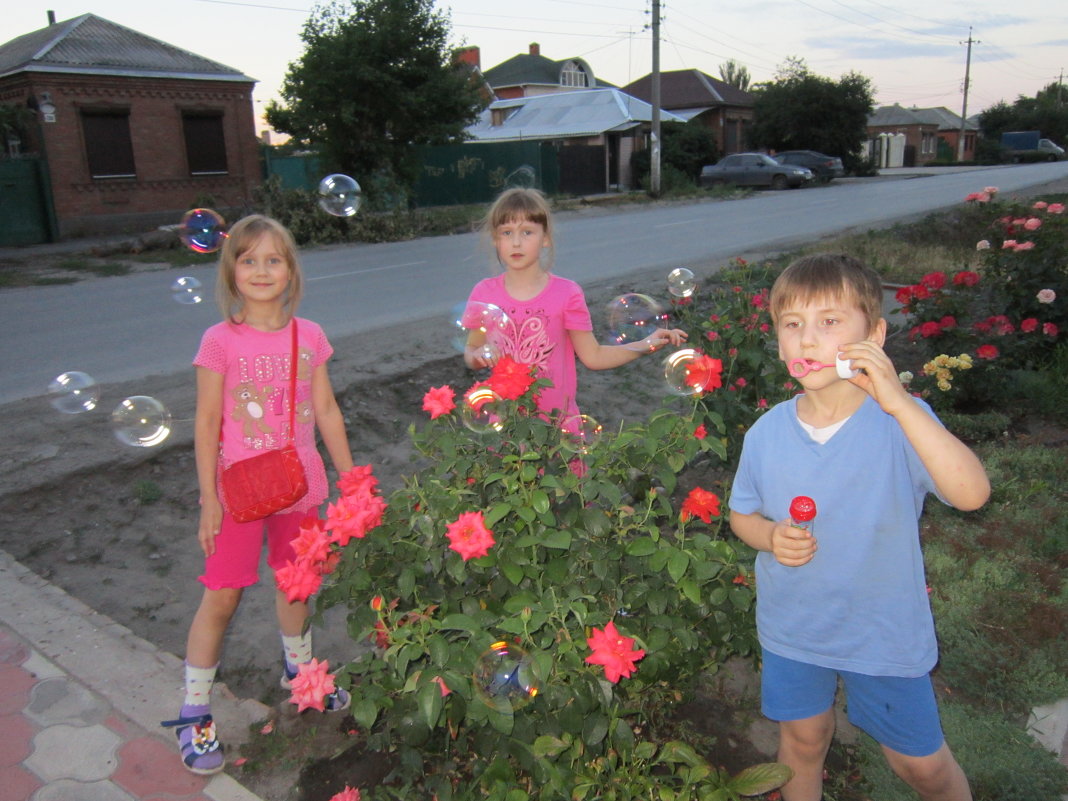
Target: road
123	329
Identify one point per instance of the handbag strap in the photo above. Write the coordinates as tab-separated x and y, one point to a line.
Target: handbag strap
292	386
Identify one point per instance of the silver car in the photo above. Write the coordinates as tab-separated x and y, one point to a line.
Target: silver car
755	169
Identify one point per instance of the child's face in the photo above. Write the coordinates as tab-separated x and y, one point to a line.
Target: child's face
816	329
519	244
262	273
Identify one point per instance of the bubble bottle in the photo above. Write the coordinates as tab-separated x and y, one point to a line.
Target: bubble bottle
802	512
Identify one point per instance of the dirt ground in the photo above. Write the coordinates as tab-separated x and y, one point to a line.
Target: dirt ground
115	526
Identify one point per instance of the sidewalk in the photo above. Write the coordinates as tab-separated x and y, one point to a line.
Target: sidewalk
81	698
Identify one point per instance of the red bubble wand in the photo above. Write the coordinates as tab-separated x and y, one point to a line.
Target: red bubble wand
802	512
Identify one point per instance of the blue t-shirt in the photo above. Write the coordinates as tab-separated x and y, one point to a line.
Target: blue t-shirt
861	603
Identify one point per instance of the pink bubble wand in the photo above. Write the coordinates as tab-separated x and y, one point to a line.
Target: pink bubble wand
799	368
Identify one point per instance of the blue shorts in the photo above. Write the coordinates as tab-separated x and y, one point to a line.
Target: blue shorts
900	713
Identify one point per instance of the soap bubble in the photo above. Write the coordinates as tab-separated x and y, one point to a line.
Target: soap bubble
505	672
74	392
633	317
141	421
489	321
482	410
686	372
521	177
681	283
580	433
202	230
187	291
340	195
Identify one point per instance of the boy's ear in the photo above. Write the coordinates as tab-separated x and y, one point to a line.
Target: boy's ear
878	332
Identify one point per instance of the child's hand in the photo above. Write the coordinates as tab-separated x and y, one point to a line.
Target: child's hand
792	546
878	377
211	513
664	336
477	356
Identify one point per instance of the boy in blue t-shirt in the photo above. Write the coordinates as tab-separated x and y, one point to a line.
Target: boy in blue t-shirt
868	453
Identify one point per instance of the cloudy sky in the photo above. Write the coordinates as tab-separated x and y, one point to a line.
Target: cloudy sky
914	51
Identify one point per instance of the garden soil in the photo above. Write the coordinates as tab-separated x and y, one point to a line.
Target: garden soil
115	527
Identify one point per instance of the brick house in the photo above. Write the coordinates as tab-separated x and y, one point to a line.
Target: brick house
531	73
930	134
692	95
134	131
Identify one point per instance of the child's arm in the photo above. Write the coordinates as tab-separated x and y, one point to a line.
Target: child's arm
957	472
329	420
596	356
790	545
206	428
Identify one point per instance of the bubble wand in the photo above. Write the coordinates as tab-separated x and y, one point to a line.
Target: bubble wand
799	368
802	512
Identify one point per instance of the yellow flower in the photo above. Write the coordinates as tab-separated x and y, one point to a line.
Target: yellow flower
944	385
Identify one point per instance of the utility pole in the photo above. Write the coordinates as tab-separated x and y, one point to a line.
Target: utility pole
654	139
964	108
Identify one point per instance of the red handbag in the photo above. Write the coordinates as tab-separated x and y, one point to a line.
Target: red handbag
274	480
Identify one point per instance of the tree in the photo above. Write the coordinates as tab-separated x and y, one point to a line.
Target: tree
376	79
735	74
685	146
1046	112
803	111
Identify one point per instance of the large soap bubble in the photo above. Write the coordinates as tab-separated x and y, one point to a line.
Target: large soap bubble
681	282
633	317
488	323
202	230
74	392
340	195
141	421
505	672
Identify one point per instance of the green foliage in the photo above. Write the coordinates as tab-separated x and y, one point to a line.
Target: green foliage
735	74
1046	112
1001	761
686	148
803	111
147	492
376	77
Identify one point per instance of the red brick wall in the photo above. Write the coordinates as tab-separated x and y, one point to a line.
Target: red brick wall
163	189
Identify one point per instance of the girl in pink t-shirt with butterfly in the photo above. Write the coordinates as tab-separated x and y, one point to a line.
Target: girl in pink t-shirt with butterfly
548	321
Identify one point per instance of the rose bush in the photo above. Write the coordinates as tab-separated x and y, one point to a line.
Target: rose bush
584	554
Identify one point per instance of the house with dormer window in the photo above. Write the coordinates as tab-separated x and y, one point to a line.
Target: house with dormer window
132	131
531	73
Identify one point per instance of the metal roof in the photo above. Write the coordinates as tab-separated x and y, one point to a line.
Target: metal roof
690	89
585	112
92	45
940	116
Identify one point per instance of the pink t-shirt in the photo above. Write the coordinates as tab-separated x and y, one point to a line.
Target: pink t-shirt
255	366
537	333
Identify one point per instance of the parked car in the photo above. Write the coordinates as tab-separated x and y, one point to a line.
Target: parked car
755	169
825	167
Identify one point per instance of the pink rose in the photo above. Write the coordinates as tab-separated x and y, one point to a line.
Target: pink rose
1033	224
1050	329
469	537
1046	296
439	401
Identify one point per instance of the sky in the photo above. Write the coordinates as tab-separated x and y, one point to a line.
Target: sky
915	51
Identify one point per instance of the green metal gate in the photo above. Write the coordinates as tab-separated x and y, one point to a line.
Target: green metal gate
476	172
26	213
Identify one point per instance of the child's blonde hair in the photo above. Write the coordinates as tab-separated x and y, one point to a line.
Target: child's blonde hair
831	277
242	237
522	204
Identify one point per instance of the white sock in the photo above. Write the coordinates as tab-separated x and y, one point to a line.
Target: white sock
198	683
298	649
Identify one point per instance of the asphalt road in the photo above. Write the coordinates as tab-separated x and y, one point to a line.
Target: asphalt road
123	329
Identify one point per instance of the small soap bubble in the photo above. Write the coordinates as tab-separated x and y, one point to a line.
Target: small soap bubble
141	421
340	195
487	322
681	282
74	392
686	372
482	410
580	433
187	291
633	317
505	672
202	230
521	177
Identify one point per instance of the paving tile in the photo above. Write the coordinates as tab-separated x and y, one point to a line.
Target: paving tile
15	685
18	739
13	651
85	753
61	700
147	765
41	668
17	784
69	790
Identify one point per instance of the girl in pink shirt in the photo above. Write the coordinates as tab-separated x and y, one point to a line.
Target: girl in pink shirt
548	321
244	406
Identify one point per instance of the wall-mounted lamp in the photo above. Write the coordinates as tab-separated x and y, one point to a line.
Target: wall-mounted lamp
47	107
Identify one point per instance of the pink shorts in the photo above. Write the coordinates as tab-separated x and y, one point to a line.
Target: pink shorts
236	561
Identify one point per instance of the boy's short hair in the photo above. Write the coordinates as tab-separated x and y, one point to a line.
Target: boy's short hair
834	276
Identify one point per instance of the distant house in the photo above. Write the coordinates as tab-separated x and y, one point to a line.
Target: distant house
531	73
929	134
133	131
597	130
692	95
